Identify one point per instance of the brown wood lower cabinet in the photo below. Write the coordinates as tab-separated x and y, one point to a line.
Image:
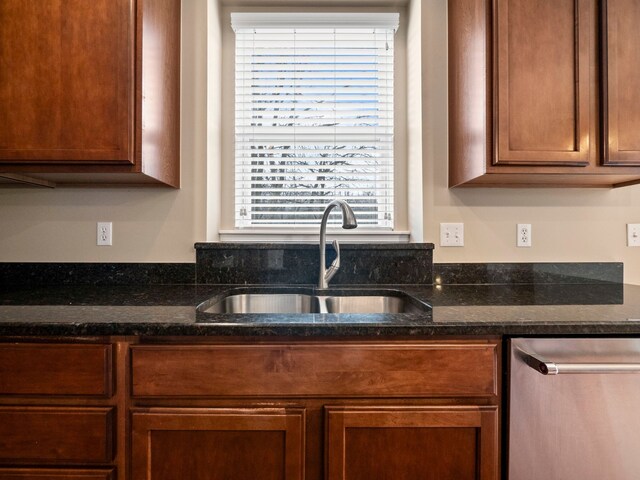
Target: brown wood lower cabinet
250	409
402	443
236	444
62	409
316	410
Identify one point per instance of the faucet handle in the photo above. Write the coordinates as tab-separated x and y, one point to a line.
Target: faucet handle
335	265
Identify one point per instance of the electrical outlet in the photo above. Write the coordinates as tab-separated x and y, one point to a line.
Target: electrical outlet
452	234
633	234
524	235
104	233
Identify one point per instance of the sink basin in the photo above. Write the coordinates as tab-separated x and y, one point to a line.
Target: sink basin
370	304
300	301
264	303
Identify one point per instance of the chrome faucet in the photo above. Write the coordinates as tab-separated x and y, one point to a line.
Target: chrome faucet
348	222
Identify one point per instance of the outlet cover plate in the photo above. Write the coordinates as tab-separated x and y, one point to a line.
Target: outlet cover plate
633	234
523	238
452	234
104	234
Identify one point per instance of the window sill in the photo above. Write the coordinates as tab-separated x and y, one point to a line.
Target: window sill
312	236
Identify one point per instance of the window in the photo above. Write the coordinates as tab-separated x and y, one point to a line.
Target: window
314	117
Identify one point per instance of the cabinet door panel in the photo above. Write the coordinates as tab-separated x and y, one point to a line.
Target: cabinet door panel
66	73
544	72
239	444
402	443
621	82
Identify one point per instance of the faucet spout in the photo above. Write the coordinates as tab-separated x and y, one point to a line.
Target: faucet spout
348	222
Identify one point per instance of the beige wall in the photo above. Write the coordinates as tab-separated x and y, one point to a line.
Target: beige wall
162	225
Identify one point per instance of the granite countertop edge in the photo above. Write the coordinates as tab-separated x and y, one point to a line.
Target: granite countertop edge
489	310
307	331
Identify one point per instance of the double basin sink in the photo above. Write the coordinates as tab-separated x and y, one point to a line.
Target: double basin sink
300	301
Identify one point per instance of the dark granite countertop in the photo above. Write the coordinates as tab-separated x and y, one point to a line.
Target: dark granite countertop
151	310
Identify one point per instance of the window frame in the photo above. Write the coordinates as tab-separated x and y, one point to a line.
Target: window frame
225	223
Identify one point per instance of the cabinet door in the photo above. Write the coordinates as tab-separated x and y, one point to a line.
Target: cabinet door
207	444
621	82
403	443
66	81
545	70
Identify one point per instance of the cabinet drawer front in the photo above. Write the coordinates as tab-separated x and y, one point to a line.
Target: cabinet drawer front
62	369
56	435
54	474
317	370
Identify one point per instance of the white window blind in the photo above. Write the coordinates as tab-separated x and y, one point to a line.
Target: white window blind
313	118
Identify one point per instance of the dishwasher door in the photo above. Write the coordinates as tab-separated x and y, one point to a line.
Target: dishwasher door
574	409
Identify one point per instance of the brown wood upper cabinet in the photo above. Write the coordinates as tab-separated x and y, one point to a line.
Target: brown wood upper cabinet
89	91
527	105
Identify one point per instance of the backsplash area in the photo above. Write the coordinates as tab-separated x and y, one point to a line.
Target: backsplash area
528	273
298	264
270	263
72	273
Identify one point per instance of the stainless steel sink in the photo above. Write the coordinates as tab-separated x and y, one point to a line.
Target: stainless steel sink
370	304
264	303
300	301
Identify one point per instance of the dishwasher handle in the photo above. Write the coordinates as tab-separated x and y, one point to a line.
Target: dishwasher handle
546	367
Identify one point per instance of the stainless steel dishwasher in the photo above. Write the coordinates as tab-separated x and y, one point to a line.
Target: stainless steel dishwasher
574	409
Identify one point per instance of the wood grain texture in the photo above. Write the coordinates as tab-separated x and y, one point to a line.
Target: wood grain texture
44	435
621	82
402	443
65	78
469	54
56	369
122	400
544	67
54	474
158	89
239	444
90	90
474	92
345	369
